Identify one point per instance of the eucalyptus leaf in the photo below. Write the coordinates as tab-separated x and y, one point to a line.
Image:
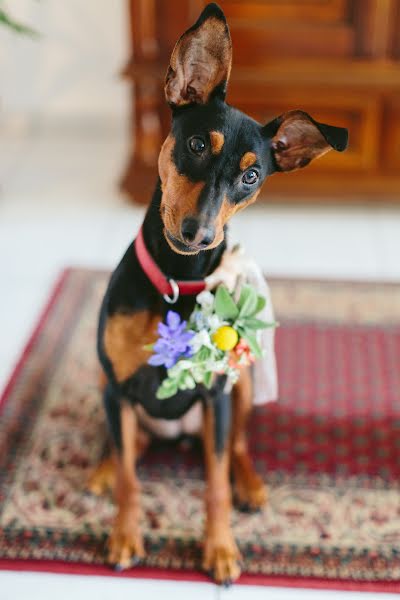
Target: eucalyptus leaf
203	354
254	324
261	302
244	293
247	301
240	329
253	344
167	389
225	306
180	380
189	382
208	379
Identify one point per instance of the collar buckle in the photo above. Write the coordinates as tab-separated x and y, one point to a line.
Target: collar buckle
175	292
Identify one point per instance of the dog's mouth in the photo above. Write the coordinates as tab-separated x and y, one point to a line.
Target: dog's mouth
179	246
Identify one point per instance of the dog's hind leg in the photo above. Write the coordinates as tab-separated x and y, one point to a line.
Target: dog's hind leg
221	556
250	492
126	541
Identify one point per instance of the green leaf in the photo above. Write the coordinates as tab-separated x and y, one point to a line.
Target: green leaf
190	383
247	301
225	306
253	344
240	329
198	373
16	26
181	379
254	324
244	293
148	347
203	354
261	302
168	388
208	379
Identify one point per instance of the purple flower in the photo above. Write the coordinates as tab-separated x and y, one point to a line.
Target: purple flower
173	343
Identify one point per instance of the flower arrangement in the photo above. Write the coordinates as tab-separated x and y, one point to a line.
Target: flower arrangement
220	337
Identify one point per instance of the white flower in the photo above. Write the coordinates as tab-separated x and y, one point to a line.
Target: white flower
216	365
197	373
206	300
198	320
202	338
233	375
214	322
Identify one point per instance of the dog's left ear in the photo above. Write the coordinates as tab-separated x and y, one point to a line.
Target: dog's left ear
296	139
201	60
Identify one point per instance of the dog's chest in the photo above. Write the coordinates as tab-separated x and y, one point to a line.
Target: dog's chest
188	424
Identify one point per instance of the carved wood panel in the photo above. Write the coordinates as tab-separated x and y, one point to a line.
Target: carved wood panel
389	147
395	32
301	28
306	11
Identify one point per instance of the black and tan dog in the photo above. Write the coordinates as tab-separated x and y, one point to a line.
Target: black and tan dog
212	164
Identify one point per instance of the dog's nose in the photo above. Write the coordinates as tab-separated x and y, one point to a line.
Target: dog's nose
189	229
195	234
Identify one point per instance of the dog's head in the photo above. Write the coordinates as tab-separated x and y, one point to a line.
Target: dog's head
216	158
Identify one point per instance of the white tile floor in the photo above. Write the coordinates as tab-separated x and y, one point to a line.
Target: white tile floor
58	206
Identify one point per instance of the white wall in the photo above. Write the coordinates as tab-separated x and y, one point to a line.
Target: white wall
71	71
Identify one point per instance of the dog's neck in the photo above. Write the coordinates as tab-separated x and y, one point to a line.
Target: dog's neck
177	266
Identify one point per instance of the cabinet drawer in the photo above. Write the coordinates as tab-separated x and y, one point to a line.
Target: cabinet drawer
390	138
358	112
290	28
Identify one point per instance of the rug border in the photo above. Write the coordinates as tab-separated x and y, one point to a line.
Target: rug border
66	568
63	567
55	290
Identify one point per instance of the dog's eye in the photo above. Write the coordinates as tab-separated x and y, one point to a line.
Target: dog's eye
250	177
197	145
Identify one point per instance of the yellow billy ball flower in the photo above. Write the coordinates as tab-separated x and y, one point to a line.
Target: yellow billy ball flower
225	338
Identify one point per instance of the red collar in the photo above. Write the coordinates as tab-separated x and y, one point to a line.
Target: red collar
168	287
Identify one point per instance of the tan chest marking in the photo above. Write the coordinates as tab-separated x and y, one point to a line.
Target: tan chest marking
124	338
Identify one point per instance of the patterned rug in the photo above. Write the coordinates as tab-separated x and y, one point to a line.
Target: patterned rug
329	449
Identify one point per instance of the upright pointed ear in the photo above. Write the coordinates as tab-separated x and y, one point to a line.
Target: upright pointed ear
201	60
297	139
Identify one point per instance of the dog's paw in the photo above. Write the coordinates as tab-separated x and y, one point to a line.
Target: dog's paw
102	479
222	560
125	548
250	493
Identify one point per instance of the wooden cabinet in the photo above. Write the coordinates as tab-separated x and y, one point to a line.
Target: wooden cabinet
304	28
390	136
337	59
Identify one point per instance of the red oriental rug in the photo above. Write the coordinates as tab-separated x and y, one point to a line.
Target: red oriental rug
329	449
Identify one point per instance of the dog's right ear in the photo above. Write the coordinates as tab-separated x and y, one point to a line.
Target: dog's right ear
201	61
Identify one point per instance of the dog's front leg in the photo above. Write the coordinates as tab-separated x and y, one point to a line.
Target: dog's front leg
250	490
221	555
126	542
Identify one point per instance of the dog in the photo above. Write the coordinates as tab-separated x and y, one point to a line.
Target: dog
212	165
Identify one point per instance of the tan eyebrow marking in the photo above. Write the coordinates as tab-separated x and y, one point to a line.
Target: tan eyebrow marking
217	141
248	159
